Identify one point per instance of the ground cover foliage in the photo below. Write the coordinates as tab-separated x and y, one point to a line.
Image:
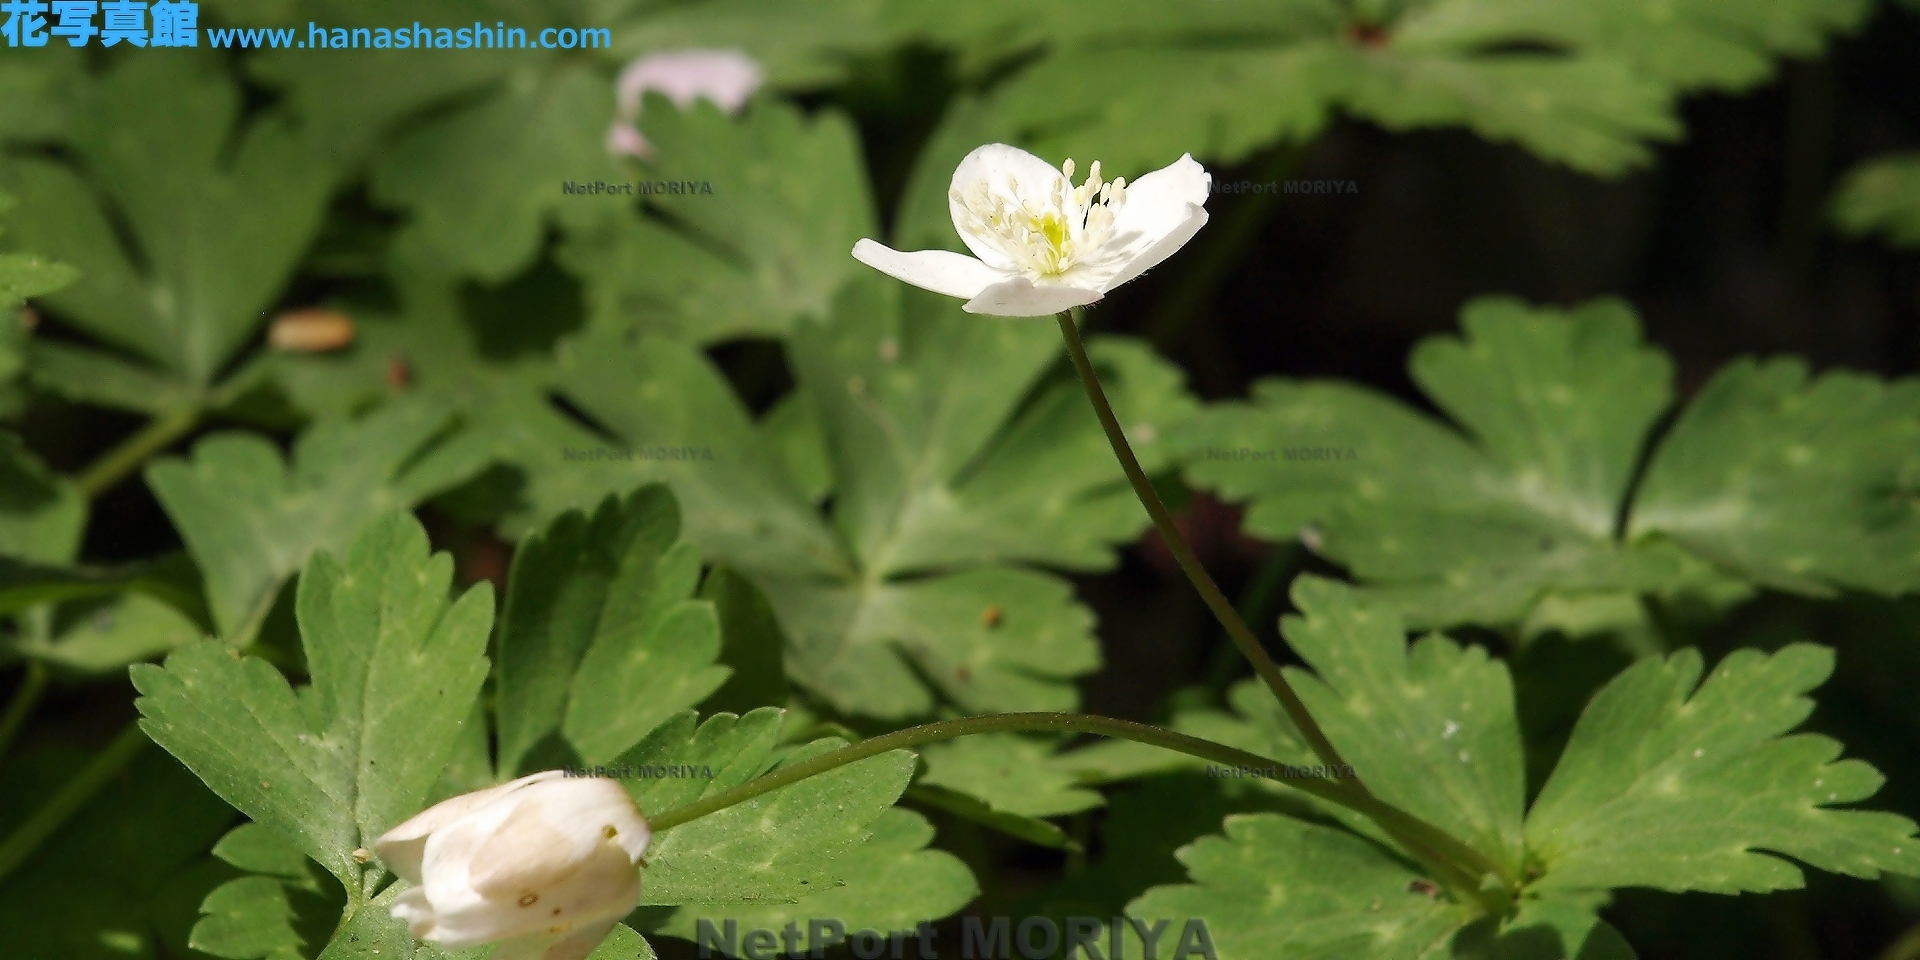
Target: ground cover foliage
671	482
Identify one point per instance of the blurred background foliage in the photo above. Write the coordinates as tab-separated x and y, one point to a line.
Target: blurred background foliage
1657	189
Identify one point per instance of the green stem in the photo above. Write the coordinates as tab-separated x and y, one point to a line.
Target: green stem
1422	840
1428	844
71	796
160	433
24	700
1189	563
1335	790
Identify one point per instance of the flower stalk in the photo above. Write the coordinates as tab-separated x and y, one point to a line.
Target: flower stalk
1450	860
1456	862
1190	563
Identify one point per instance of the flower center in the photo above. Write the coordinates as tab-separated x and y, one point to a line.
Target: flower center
1045	234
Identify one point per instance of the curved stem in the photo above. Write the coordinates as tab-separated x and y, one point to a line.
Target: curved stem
1438	851
1189	563
22	704
1460	864
71	796
1337	791
116	464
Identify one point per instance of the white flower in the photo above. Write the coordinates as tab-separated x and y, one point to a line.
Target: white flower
543	865
1044	244
726	77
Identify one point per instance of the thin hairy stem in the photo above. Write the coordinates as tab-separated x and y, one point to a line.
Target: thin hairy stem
1335	790
1439	852
1417	837
1189	563
120	462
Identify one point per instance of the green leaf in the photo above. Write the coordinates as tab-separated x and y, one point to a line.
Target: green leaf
120	879
279	911
893	882
1144	825
1008	782
804	840
171	582
1674	786
1430	727
85	375
601	641
1691	44
249	918
36	94
395	668
959	448
794	429
218	214
769	245
969	807
484	180
26	275
250	520
779	846
347	102
1262	890
486	351
1474	524
1585	110
41	515
1881	196
1010	772
1662	785
723	752
106	635
1793	481
751	642
804	48
1588	83
255	848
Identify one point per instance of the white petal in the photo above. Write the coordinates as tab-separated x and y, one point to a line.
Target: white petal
942	271
726	77
554	827
996	165
402	848
1020	297
581	943
411	907
1151	257
1159	206
603	888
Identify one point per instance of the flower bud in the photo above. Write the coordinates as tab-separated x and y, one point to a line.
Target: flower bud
544	866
